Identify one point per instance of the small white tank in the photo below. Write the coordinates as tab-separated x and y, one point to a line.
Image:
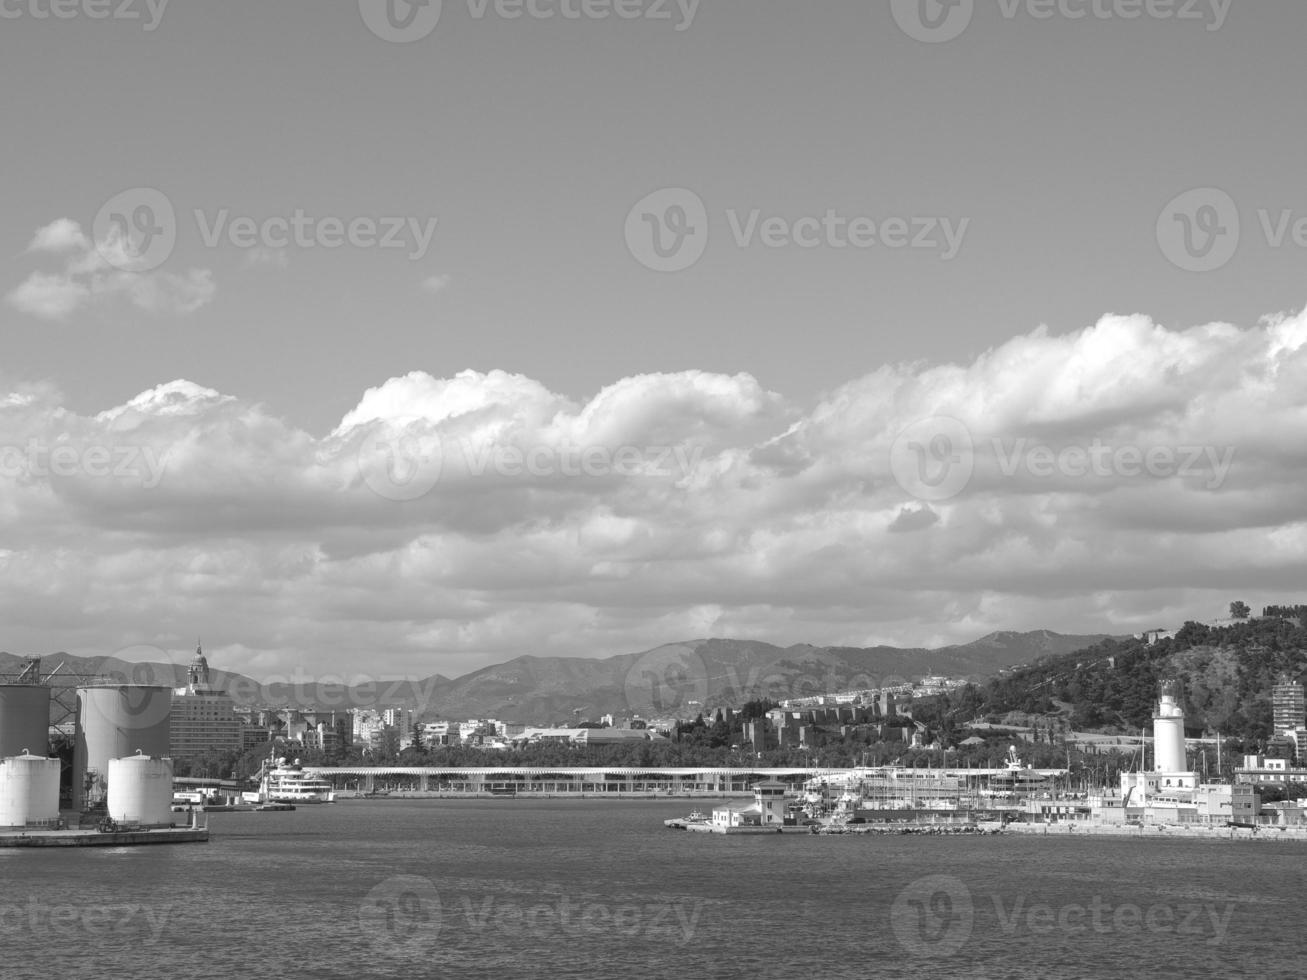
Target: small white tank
29	790
140	790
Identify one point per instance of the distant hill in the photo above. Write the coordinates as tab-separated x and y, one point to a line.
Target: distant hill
675	678
1226	674
716	673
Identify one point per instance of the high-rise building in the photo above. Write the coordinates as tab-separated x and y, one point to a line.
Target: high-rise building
203	717
1287	707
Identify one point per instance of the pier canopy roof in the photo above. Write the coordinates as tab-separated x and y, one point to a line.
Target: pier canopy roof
566	772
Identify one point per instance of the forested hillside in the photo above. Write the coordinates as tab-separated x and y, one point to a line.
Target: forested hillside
1226	674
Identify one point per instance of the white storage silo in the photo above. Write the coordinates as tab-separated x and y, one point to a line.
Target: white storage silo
140	790
115	721
29	790
24	719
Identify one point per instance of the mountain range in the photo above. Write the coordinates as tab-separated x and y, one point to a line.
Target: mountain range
678	678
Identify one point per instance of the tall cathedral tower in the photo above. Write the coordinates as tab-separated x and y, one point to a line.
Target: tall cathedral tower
198	680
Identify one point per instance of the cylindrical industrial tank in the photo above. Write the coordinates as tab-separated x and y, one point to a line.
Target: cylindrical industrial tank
24	719
1168	736
29	790
115	721
140	790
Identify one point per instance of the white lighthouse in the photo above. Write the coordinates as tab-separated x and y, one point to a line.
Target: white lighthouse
1169	779
1168	733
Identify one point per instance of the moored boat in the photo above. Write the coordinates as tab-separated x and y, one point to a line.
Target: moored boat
291	783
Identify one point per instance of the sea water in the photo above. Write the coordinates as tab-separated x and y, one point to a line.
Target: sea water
599	889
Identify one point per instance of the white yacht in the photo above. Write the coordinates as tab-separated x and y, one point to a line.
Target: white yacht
289	783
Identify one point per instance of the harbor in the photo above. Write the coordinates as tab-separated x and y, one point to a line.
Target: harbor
1164	798
109	833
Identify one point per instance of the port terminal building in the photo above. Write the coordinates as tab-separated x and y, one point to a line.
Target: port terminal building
695	781
556	781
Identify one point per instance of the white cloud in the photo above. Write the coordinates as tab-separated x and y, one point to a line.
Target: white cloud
90	279
51	297
61	235
766	518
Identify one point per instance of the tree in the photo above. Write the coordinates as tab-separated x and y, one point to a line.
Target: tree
1239	609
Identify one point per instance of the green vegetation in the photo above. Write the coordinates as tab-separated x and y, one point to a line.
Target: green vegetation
1226	675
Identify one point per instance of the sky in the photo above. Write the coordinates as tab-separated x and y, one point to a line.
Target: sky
389	340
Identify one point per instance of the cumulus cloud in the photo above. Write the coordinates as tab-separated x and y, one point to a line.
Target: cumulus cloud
1114	479
61	235
99	273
